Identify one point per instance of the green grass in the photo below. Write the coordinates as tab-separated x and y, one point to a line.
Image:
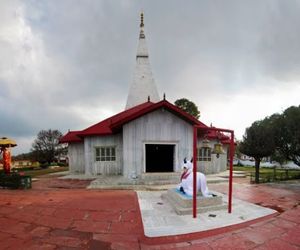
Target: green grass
270	174
39	172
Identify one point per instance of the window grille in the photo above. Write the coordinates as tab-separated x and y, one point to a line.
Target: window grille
204	154
105	153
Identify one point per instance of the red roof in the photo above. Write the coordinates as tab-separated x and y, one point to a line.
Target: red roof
213	134
113	124
71	136
105	127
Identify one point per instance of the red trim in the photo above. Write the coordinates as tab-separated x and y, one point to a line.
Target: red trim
104	127
217	131
195	172
162	104
231	153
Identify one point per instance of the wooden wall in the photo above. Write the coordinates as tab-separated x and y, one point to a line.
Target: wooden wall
76	158
159	126
94	167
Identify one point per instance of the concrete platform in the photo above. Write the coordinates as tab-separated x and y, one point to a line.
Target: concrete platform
183	204
160	219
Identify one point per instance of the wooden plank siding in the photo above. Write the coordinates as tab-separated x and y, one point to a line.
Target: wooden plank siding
94	167
159	126
76	157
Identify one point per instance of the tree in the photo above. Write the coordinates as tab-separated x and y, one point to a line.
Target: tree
291	132
286	132
188	106
258	142
46	146
237	150
276	124
24	156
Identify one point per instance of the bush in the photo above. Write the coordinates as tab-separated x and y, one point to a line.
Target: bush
15	181
62	164
44	165
22	169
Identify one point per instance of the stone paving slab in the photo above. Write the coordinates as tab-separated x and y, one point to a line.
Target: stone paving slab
67	216
160	219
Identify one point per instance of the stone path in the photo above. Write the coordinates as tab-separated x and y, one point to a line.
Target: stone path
160	219
59	214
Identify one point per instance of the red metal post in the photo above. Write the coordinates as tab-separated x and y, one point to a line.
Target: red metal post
231	153
195	173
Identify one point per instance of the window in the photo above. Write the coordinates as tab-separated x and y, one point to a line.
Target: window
204	154
105	153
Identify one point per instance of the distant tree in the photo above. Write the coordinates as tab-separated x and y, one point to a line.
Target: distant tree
286	132
258	142
24	156
276	124
278	157
237	149
188	106
46	146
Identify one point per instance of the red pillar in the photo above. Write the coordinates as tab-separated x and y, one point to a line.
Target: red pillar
231	153
6	160
195	173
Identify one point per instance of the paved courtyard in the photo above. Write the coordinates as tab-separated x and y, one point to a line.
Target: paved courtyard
62	214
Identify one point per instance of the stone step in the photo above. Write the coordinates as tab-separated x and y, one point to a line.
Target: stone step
172	178
160	179
159	182
183	204
161	176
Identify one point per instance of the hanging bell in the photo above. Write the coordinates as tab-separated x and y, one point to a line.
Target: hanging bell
218	149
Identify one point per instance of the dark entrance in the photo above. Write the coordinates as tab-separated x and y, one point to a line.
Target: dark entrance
159	157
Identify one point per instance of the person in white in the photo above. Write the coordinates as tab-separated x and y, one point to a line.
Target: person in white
186	184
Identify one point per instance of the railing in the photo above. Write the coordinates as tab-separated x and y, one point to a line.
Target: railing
278	174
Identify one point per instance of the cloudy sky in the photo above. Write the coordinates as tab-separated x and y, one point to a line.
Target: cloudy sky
67	64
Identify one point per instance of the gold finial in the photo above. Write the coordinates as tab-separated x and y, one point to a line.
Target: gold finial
142	20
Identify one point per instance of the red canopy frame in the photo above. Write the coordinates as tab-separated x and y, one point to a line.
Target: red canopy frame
231	153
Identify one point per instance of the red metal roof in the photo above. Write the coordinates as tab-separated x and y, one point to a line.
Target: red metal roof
115	123
118	122
105	127
212	134
71	136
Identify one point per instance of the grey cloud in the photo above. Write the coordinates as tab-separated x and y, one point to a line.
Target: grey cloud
81	54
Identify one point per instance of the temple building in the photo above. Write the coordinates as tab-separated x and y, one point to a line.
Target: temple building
150	136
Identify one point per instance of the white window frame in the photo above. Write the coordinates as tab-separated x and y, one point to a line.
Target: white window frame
203	154
105	154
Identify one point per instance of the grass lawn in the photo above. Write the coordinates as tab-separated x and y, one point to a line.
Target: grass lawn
41	171
271	173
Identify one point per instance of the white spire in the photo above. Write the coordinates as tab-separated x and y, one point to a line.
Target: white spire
143	85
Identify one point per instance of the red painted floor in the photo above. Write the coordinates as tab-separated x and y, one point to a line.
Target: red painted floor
61	214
